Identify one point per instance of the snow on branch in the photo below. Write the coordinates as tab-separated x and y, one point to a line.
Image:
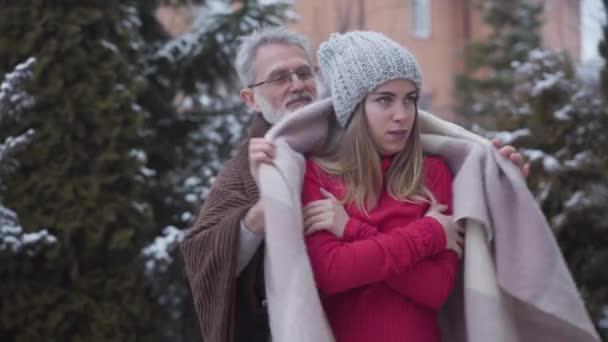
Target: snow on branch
13	98
10	147
158	253
506	137
210	26
549	162
14	240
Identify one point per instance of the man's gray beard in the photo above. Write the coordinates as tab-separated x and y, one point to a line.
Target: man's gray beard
273	116
269	114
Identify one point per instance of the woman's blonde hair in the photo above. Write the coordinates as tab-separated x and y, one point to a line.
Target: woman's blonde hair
356	161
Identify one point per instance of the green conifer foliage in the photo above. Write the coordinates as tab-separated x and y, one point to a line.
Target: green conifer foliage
79	178
513	32
603	48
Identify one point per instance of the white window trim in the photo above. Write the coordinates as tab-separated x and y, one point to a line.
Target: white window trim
420	18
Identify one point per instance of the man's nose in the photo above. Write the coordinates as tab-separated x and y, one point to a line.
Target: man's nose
296	82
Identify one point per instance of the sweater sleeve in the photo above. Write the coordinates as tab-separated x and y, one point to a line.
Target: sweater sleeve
430	282
340	266
248	244
343	265
427	283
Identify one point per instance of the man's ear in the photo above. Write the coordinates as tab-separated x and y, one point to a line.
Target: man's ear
247	97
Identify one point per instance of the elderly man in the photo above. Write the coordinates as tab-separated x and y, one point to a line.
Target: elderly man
223	250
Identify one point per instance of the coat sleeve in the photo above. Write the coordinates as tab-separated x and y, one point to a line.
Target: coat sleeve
209	251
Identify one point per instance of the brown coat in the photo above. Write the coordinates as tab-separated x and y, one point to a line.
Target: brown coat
229	309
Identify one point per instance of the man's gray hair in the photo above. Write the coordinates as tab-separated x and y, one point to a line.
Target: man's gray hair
250	44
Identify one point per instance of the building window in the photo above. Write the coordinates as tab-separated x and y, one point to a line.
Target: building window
421	18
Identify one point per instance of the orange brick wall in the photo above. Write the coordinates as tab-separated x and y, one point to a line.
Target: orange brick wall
452	25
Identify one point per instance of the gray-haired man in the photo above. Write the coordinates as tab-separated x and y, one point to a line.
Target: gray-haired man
222	251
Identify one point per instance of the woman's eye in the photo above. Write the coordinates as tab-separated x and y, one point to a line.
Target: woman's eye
411	99
384	100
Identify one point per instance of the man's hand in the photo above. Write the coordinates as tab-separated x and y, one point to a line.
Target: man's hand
510	153
327	214
254	219
261	151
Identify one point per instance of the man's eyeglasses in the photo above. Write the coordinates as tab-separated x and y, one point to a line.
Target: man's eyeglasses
283	77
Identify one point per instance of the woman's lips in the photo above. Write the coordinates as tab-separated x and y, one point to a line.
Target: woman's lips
398	133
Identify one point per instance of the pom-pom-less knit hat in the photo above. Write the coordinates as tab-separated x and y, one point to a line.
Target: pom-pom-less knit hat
355	63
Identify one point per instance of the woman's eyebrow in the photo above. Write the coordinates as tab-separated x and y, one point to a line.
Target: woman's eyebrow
382	93
413	92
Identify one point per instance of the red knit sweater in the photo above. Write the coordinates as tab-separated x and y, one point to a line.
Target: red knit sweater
390	273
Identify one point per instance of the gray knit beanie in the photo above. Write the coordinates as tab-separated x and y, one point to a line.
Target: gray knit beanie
356	62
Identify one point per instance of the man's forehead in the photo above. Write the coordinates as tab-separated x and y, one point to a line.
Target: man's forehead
279	56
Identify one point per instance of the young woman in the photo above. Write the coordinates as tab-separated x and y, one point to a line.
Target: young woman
383	246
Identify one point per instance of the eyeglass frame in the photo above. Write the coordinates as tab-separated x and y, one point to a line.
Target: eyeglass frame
313	70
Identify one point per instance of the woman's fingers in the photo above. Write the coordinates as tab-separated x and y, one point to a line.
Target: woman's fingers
460	241
438	208
309	231
459	252
313	229
460	229
320	225
311	220
441	208
317	204
327	194
310	212
316	208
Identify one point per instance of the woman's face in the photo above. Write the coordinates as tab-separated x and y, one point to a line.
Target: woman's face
390	111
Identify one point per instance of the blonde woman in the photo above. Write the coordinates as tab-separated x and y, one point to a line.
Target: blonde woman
383	246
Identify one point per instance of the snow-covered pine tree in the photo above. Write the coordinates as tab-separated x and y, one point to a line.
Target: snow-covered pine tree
557	121
488	76
603	50
560	124
13	101
193	111
193	119
78	177
116	93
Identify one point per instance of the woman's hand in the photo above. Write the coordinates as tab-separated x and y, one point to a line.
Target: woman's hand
454	233
327	214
